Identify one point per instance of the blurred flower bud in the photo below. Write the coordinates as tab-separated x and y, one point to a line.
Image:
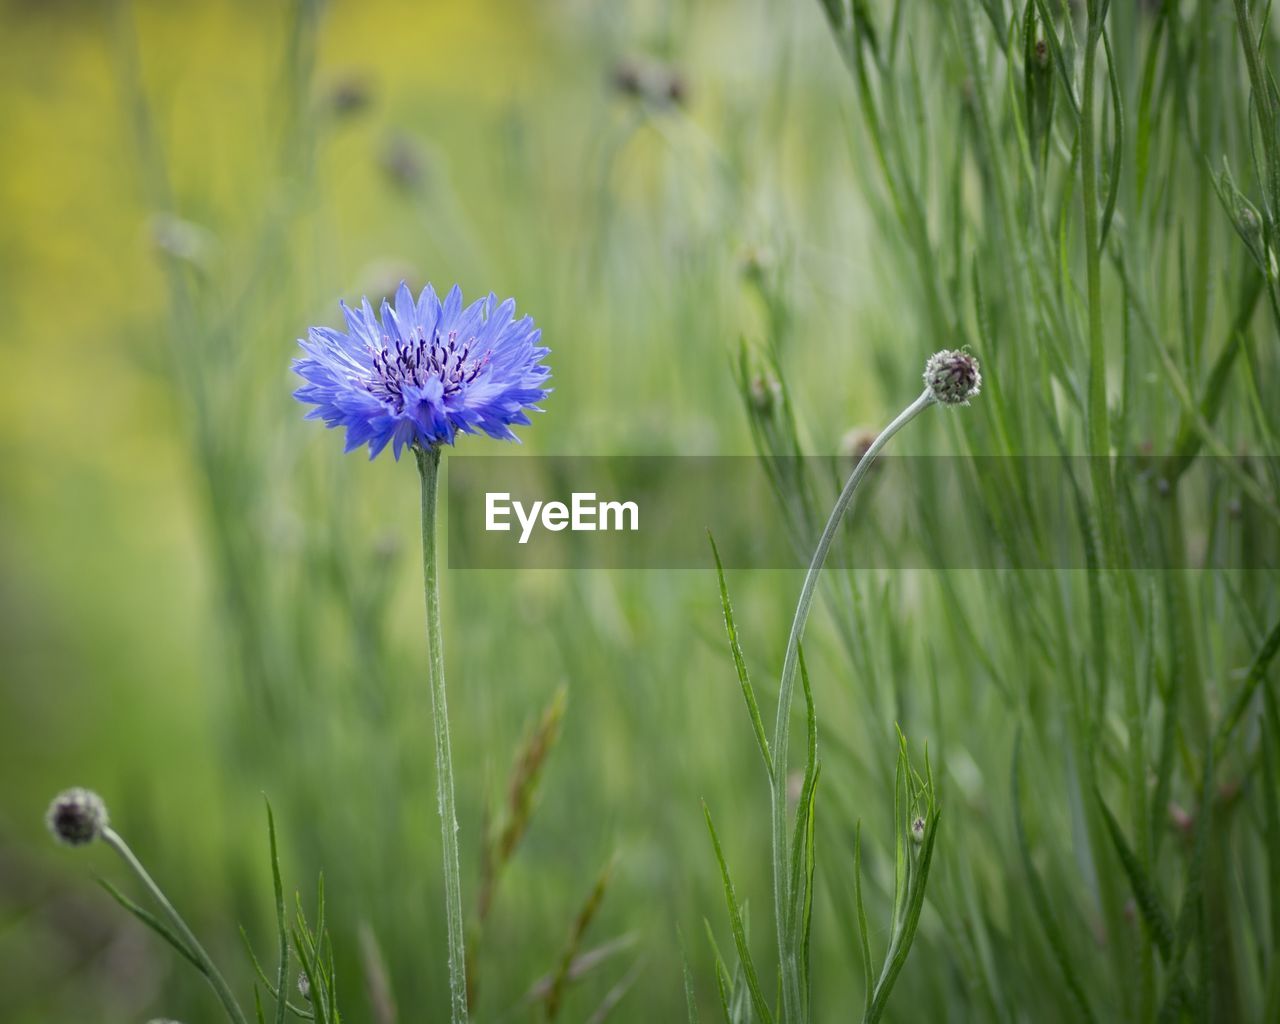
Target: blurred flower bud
952	377
181	239
855	443
917	829
405	162
677	89
650	82
755	263
1180	819
348	96
304	987
765	393
1041	51
76	816
627	78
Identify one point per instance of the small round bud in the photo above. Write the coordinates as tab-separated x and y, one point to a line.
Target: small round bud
765	392
952	377
917	829
856	443
304	987
76	816
349	95
405	162
627	77
1250	225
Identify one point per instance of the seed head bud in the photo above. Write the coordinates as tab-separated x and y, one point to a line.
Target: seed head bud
349	95
952	377
1250	225
856	441
76	816
764	393
917	829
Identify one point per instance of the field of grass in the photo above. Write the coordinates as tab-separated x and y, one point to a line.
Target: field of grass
742	227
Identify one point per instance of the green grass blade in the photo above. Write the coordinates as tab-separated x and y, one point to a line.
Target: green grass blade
739	662
1144	892
1257	673
1040	899
863	934
281	926
739	931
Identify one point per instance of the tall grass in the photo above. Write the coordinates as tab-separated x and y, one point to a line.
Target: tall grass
1083	194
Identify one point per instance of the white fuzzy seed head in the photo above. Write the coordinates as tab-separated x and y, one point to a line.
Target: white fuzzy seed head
76	816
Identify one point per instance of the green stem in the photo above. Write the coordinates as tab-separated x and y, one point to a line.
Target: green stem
787	946
113	839
429	469
1099	429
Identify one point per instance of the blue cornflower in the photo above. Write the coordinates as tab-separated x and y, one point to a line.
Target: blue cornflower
423	371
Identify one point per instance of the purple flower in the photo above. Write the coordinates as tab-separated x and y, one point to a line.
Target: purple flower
420	372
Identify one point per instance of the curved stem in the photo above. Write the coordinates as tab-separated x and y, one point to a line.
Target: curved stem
429	469
787	945
113	839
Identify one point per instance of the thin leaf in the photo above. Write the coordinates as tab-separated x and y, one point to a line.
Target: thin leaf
739	662
735	921
155	924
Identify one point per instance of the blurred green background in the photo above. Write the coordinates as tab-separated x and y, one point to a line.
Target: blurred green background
491	144
205	601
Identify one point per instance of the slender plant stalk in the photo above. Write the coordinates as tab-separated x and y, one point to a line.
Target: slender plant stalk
113	839
429	469
1098	427
787	946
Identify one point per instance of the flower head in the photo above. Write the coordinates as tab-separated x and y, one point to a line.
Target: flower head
76	816
422	371
917	829
952	377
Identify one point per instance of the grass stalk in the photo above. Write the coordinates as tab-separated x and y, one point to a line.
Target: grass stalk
788	951
197	952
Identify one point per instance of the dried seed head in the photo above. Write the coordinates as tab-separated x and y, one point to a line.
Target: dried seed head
76	816
917	829
952	377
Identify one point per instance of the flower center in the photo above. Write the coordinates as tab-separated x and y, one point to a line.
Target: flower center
415	362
